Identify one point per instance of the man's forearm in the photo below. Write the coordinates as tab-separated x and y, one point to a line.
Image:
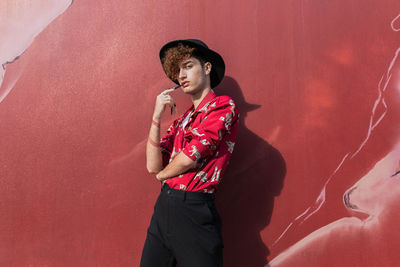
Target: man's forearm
153	151
180	164
154	160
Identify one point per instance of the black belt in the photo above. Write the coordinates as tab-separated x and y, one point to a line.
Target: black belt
189	195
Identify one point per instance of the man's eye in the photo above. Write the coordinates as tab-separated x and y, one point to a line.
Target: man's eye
189	66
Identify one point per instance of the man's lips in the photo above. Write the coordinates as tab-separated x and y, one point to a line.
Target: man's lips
184	84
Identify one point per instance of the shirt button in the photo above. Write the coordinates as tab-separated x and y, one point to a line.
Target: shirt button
169	192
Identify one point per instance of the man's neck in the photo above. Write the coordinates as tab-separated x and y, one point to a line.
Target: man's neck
197	98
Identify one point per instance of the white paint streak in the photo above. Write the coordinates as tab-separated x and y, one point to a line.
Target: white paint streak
322	196
8	87
313	208
379	100
316	206
290	225
20	22
396	29
372	195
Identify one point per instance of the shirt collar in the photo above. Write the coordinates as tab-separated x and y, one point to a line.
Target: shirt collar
209	96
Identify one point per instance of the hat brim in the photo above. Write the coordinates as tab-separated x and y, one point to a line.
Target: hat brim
217	62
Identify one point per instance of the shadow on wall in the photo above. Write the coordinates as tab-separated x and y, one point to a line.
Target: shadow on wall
245	199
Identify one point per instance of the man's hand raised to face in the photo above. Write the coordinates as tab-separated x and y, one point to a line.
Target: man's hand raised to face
163	99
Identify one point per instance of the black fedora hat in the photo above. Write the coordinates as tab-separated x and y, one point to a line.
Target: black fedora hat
218	65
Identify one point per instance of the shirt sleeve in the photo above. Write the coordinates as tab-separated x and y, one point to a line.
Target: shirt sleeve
206	138
167	144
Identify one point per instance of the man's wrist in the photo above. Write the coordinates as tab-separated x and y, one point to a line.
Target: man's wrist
156	118
153	143
156	123
159	176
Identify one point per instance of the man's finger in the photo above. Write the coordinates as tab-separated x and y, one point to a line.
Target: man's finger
170	102
168	90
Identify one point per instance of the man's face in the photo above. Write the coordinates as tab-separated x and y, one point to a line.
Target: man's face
193	76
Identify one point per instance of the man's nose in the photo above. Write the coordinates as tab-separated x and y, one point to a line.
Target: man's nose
182	74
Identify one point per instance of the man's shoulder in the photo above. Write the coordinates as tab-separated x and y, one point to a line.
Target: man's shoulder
223	100
222	105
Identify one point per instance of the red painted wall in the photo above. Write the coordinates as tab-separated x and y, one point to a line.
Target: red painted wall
312	180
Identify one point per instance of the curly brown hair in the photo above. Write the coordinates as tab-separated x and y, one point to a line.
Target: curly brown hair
175	55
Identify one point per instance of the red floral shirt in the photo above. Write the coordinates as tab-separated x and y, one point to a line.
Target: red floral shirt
207	136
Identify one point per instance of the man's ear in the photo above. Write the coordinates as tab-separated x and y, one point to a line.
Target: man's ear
207	67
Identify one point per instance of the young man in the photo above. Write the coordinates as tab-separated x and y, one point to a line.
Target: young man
190	160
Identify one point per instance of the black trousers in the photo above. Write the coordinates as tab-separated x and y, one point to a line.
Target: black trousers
185	229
